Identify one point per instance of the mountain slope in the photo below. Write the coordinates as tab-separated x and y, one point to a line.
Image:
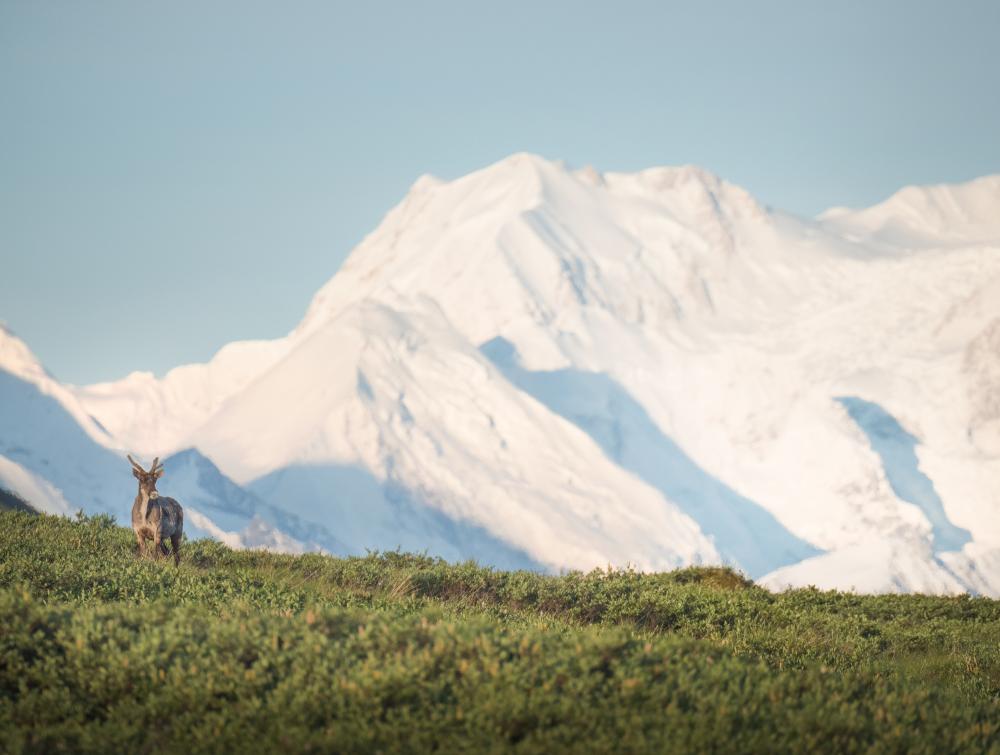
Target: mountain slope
564	368
441	432
52	452
919	216
736	332
56	456
155	414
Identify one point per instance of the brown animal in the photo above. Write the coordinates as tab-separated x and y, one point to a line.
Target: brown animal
155	517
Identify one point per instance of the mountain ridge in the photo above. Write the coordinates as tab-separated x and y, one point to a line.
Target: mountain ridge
665	309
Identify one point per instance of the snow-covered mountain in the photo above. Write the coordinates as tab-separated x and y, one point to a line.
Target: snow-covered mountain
919	216
549	368
58	457
52	452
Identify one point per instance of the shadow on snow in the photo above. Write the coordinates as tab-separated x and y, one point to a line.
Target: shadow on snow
371	514
745	533
897	450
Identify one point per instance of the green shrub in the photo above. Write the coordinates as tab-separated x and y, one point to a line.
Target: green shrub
252	651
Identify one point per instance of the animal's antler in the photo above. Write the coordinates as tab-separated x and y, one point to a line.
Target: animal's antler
152	469
136	464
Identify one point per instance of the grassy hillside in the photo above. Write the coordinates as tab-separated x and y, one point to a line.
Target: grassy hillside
248	651
10	501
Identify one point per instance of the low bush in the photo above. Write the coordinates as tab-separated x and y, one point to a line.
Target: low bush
251	651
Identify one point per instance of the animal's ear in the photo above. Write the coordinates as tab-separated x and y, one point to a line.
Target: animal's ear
135	473
159	473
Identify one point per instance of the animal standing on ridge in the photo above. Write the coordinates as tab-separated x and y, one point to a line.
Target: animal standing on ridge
154	517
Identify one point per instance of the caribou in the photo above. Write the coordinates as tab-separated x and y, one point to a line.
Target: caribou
155	517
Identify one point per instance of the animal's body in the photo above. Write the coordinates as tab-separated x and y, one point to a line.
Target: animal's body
155	517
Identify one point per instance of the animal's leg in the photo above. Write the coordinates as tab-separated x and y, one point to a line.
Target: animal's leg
175	541
142	547
163	549
157	545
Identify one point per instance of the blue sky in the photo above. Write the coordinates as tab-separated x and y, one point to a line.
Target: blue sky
177	175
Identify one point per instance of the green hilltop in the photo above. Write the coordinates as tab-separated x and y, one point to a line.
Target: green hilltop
257	652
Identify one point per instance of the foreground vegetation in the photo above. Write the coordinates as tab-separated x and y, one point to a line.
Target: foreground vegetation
249	651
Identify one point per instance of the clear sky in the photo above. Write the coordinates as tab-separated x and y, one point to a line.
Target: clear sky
177	175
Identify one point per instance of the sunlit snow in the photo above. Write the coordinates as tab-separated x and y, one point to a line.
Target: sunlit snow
550	368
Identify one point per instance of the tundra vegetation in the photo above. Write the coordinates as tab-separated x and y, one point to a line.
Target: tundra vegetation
250	651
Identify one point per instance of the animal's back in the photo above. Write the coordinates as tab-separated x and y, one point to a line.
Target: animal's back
171	516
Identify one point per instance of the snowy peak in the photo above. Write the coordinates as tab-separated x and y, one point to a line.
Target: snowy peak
17	359
691	192
532	241
23	375
919	216
544	367
688	192
154	416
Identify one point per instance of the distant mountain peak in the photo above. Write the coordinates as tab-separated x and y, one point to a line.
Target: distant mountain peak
17	359
542	365
928	215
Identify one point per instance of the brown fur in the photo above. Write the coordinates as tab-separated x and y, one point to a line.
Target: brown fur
154	517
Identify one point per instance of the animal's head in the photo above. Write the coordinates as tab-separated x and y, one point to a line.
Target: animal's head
147	479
